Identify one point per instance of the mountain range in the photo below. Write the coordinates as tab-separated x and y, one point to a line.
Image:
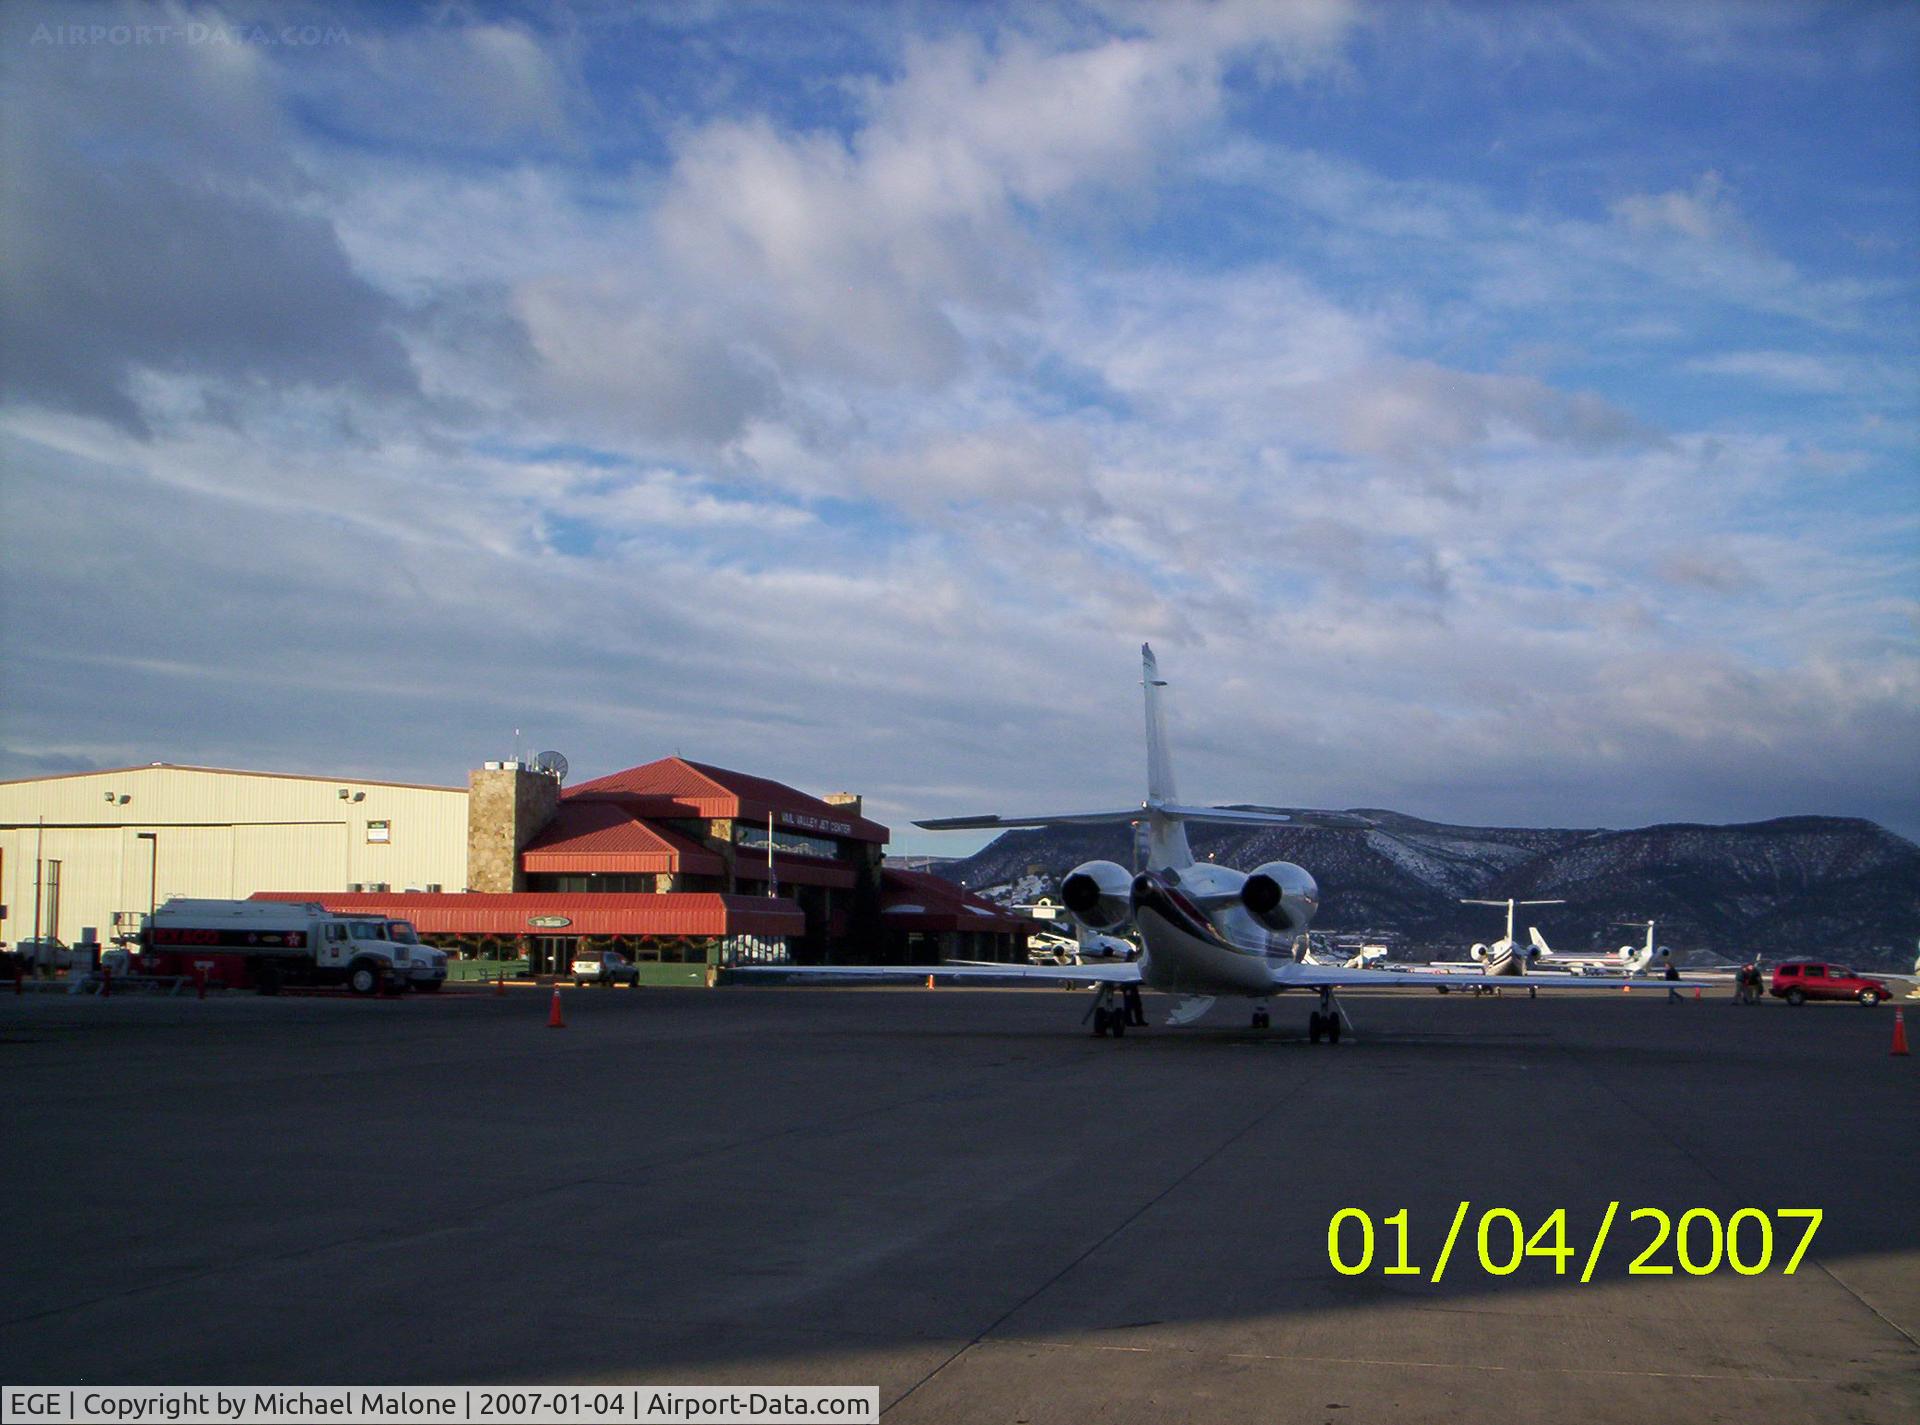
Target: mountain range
1832	887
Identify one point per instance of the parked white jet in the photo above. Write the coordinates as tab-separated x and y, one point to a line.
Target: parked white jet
1206	930
1359	960
1504	956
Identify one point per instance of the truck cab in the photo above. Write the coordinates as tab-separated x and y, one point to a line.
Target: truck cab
427	966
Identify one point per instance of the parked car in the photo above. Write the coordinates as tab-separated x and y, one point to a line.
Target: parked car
1802	980
603	967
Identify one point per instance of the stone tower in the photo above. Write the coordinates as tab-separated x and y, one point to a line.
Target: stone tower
507	804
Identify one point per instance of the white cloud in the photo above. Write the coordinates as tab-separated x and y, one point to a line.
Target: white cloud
1705	213
1787	370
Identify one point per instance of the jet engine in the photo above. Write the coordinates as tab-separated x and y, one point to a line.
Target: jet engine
1099	894
1479	952
1281	896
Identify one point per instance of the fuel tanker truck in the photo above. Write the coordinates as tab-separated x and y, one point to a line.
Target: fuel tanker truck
264	945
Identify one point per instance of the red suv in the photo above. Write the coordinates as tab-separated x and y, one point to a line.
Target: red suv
1807	979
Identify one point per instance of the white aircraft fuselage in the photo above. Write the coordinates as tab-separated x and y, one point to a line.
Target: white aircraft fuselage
1191	952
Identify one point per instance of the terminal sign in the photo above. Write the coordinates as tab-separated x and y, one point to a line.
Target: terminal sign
816	823
548	922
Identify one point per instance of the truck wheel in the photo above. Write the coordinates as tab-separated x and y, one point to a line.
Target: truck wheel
1869	998
363	978
267	982
1796	997
427	987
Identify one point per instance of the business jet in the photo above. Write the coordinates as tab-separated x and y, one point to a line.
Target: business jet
1359	960
1206	931
1503	958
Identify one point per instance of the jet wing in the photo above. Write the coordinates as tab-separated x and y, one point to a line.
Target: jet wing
1218	816
1289	975
1122	973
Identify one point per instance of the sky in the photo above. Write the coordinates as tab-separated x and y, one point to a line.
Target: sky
1501	413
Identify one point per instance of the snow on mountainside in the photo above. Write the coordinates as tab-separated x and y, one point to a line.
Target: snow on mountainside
1799	885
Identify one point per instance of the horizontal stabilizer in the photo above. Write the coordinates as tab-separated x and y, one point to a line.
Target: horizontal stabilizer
1070	818
1229	816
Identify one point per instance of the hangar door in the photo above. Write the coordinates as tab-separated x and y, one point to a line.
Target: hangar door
289	856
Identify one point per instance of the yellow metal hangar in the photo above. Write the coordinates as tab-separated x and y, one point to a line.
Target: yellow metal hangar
680	865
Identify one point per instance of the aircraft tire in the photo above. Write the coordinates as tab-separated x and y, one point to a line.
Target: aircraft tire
1315	1024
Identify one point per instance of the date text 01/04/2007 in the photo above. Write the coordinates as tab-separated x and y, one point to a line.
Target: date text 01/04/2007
1701	1243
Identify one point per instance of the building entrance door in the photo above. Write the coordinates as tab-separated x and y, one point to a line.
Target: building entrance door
552	954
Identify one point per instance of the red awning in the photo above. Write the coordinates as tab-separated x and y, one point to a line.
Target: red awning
475	913
916	900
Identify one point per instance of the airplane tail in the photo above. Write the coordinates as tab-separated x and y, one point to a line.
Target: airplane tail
1163	812
1166	832
1539	941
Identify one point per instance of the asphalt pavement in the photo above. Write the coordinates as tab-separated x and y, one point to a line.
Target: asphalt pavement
963	1197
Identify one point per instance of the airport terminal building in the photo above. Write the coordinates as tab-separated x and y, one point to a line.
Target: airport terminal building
682	866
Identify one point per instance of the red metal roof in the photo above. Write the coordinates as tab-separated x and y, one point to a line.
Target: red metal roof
606	836
915	900
708	791
475	913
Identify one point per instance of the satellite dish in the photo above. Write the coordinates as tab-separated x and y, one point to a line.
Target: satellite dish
553	764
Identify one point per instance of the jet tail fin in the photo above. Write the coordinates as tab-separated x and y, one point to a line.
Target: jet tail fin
1159	758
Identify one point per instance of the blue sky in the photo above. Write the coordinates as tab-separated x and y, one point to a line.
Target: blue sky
1503	413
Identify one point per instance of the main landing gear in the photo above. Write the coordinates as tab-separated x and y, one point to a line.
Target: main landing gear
1325	1021
1112	1015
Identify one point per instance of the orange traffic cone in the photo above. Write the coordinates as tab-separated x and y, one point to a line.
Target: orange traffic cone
1696	992
500	983
929	981
554	1018
1899	1031
1626	989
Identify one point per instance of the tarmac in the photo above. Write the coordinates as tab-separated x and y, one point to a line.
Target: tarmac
964	1198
